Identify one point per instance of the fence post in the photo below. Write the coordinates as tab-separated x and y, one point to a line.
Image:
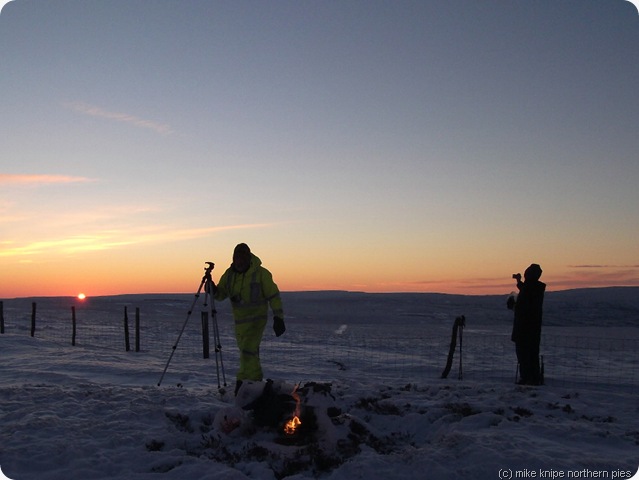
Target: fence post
33	318
137	329
127	344
1	317
205	334
73	322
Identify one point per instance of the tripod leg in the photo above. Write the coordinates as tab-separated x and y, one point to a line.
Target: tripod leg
218	346
219	362
188	315
209	297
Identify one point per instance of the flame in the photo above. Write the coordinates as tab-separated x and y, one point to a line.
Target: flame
293	423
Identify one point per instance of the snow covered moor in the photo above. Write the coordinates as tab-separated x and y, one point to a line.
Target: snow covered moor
362	372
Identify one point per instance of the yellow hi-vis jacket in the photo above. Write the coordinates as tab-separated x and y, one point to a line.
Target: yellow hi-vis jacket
250	293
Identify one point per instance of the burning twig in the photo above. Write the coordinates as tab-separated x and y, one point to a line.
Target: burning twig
293	423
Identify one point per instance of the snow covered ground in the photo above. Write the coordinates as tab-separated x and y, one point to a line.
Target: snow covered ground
96	412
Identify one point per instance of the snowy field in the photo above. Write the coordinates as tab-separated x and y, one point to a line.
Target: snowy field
95	411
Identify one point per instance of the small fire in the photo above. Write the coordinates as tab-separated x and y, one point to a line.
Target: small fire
293	423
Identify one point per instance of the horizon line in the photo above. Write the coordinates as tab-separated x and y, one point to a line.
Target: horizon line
607	287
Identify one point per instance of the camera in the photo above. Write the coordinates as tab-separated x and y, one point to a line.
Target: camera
517	276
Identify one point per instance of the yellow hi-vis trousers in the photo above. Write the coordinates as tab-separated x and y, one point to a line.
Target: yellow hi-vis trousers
248	334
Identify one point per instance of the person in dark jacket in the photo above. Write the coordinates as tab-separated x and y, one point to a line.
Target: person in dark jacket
527	324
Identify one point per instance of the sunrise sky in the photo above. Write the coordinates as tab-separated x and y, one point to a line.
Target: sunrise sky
379	146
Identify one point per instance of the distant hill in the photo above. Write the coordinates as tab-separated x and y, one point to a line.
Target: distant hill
611	306
617	306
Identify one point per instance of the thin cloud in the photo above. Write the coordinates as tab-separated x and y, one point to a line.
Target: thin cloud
16	179
191	233
603	266
95	111
110	239
65	246
598	275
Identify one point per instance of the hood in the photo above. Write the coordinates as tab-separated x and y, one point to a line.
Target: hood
533	272
255	263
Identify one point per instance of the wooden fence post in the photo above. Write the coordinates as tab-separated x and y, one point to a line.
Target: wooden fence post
205	334
137	329
127	344
2	317
73	322
33	318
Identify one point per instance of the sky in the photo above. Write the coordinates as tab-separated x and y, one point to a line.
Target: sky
377	146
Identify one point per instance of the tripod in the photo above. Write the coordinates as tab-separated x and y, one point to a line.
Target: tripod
209	287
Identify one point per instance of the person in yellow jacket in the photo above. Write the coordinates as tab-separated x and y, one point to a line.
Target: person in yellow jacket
251	289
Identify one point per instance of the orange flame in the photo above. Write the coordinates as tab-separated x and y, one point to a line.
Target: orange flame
293	423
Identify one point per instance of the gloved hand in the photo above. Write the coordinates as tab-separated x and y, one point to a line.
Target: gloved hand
278	326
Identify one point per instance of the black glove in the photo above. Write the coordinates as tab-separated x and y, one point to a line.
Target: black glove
278	326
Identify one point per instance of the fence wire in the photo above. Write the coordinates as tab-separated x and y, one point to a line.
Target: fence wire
407	353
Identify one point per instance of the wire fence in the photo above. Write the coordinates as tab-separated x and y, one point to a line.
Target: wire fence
483	357
407	353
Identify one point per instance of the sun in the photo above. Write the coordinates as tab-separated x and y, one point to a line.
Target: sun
81	296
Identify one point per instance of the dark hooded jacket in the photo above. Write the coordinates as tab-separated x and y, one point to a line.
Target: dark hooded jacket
529	306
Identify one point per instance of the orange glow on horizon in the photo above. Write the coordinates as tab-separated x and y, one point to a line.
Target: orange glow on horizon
140	272
106	286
